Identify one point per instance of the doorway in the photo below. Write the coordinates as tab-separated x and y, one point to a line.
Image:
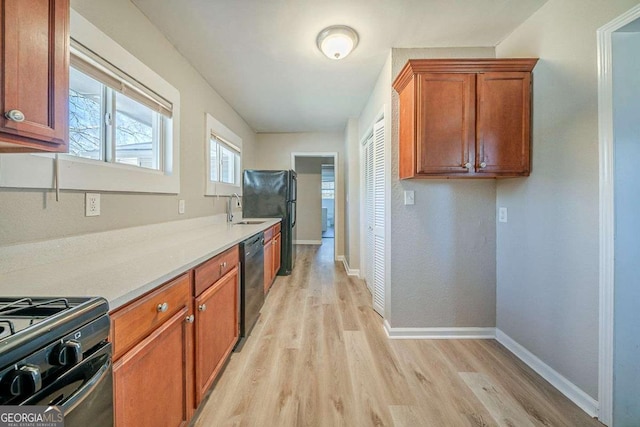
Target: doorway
318	201
619	102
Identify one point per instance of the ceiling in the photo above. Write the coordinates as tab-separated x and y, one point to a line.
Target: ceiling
261	55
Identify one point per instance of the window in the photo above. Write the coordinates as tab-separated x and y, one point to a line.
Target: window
328	182
111	119
124	125
224	159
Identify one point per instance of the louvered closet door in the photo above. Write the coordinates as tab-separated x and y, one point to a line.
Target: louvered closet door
378	177
368	191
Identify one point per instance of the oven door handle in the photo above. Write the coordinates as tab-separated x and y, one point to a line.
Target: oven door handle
83	392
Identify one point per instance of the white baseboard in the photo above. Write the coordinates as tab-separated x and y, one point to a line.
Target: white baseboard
566	387
307	242
438	333
350	271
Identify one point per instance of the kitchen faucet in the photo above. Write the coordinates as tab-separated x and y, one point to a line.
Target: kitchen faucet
229	208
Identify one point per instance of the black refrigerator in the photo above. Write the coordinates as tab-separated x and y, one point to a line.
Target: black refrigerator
272	194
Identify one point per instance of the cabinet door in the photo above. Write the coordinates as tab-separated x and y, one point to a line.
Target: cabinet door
268	264
152	382
277	248
445	114
35	74
504	114
216	329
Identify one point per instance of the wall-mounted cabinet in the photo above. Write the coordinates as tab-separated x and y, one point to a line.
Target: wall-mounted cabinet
34	70
465	118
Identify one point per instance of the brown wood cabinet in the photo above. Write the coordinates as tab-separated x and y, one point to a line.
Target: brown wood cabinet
463	118
272	255
268	263
217	329
34	66
153	358
277	254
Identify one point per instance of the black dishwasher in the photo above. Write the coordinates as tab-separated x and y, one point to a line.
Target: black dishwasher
251	283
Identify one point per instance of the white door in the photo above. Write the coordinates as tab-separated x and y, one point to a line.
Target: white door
375	215
368	201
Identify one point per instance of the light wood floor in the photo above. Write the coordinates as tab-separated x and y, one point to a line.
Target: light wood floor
319	356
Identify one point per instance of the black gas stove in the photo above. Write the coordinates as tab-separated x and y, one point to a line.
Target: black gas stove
54	351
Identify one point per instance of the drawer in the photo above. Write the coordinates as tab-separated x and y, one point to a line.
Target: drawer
210	271
133	322
268	234
277	228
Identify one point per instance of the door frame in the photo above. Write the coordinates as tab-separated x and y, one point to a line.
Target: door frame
607	224
337	195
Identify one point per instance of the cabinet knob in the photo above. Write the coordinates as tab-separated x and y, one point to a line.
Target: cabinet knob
483	165
202	307
15	116
189	319
163	307
467	165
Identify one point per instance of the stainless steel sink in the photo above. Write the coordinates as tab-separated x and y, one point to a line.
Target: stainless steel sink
250	222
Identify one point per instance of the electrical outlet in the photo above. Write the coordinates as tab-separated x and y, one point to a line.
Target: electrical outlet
181	206
91	204
502	214
409	197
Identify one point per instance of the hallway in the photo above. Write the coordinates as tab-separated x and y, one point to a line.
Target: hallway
319	356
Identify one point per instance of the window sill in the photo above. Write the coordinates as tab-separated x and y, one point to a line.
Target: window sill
38	171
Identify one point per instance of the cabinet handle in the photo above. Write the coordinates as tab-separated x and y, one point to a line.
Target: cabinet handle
163	307
15	116
483	165
202	307
189	319
467	165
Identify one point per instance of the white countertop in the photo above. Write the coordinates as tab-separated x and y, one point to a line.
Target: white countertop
118	265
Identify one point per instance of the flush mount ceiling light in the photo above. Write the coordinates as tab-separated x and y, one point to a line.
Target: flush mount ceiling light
337	41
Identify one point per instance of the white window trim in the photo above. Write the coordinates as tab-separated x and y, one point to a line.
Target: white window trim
37	170
212	188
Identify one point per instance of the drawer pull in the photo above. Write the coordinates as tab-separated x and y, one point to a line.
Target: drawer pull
202	307
15	116
163	307
189	319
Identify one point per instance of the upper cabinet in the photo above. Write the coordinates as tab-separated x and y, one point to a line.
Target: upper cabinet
34	69
465	118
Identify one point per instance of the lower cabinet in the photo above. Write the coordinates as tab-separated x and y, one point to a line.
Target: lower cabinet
170	345
268	263
272	255
153	380
216	323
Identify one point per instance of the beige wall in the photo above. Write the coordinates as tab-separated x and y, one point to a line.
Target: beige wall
352	190
309	214
34	215
443	247
547	254
273	151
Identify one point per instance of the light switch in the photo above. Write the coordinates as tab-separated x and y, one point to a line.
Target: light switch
181	206
502	214
409	197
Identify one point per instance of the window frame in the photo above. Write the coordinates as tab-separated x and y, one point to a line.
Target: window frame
215	130
77	173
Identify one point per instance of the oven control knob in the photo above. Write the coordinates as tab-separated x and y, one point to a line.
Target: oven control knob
67	353
25	380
